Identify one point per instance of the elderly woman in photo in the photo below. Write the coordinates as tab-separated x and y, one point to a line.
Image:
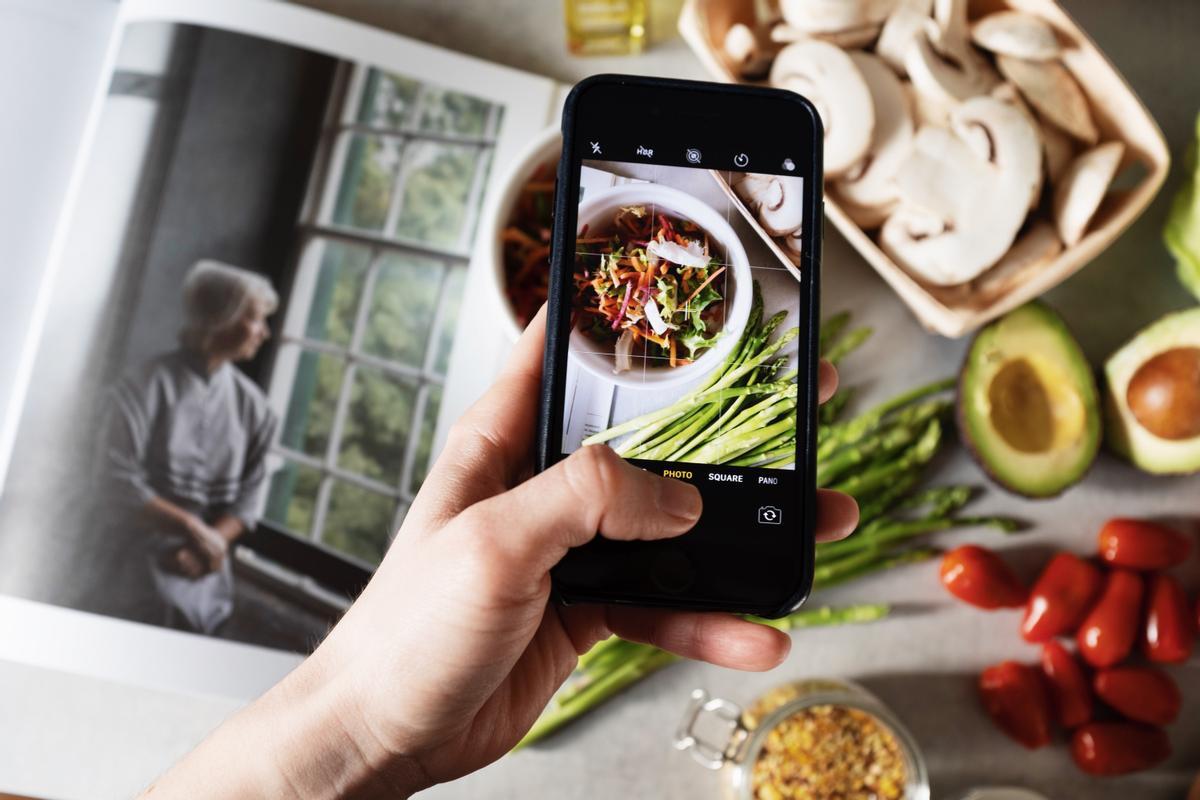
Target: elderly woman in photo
183	445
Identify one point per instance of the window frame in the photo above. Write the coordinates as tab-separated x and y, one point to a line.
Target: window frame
307	550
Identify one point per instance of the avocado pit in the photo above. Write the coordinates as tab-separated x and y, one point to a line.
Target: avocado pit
1164	394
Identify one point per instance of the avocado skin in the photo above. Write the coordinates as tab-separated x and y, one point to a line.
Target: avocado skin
1124	435
1041	316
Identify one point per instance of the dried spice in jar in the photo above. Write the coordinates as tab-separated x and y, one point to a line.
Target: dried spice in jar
829	751
822	739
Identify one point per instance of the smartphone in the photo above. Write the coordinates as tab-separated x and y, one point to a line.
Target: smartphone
682	331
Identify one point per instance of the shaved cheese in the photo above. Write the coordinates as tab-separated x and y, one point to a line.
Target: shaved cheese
654	318
691	256
622	352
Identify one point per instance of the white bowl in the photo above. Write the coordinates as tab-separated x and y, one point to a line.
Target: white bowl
597	211
544	148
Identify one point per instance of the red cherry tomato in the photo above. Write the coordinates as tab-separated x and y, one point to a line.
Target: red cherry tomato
1015	697
1069	688
1117	748
1137	544
1144	694
978	576
1110	629
1061	596
1169	633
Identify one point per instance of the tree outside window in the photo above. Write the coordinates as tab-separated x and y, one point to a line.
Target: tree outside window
374	306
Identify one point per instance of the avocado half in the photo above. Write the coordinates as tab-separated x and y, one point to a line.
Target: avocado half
1028	408
1152	398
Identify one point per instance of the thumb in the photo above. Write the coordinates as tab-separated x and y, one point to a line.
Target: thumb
591	491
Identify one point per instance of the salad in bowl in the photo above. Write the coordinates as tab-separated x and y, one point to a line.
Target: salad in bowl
656	286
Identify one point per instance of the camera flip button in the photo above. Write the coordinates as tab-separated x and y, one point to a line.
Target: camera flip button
770	515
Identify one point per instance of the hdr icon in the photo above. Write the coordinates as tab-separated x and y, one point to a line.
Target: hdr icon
645	151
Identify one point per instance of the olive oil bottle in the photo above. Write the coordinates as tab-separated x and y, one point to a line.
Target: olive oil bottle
605	26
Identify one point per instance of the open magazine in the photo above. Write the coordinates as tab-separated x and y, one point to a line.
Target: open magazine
329	176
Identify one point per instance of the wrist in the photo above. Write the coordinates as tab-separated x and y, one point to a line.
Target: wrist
326	748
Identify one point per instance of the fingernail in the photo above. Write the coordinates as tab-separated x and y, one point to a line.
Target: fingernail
679	499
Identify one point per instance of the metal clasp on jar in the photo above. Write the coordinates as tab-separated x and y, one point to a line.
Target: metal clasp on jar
711	753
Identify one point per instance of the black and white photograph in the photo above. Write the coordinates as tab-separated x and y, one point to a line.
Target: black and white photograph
274	244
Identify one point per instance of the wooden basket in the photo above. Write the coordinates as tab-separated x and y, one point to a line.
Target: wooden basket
1119	114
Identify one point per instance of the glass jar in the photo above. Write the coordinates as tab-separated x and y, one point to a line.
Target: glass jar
741	734
609	27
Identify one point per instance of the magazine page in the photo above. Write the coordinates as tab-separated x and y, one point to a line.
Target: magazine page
61	47
265	277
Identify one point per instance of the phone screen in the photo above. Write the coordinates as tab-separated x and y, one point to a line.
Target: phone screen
688	300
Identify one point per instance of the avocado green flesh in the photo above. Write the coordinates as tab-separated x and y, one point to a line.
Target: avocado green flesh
1027	403
1128	436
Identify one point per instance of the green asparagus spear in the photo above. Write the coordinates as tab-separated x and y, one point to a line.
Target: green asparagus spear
832	328
847	345
644	659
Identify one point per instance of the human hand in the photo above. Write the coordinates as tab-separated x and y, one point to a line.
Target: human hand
184	561
454	648
210	546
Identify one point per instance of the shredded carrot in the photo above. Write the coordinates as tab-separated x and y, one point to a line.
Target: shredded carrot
518	236
707	281
672	351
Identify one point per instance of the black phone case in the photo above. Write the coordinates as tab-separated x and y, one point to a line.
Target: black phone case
549	422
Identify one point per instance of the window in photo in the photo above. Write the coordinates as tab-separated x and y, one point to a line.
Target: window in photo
372	311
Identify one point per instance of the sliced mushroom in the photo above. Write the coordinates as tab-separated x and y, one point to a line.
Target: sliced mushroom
1082	189
1033	250
1006	137
1051	89
849	39
951	17
959	212
946	68
1058	147
830	16
785	216
751	187
1008	93
828	77
865	217
926	110
1016	34
871	183
793	243
905	24
747	54
777	201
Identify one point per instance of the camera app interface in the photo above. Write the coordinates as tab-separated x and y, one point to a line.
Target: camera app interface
685	327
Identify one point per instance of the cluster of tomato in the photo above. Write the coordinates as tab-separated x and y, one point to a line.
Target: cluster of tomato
1109	606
